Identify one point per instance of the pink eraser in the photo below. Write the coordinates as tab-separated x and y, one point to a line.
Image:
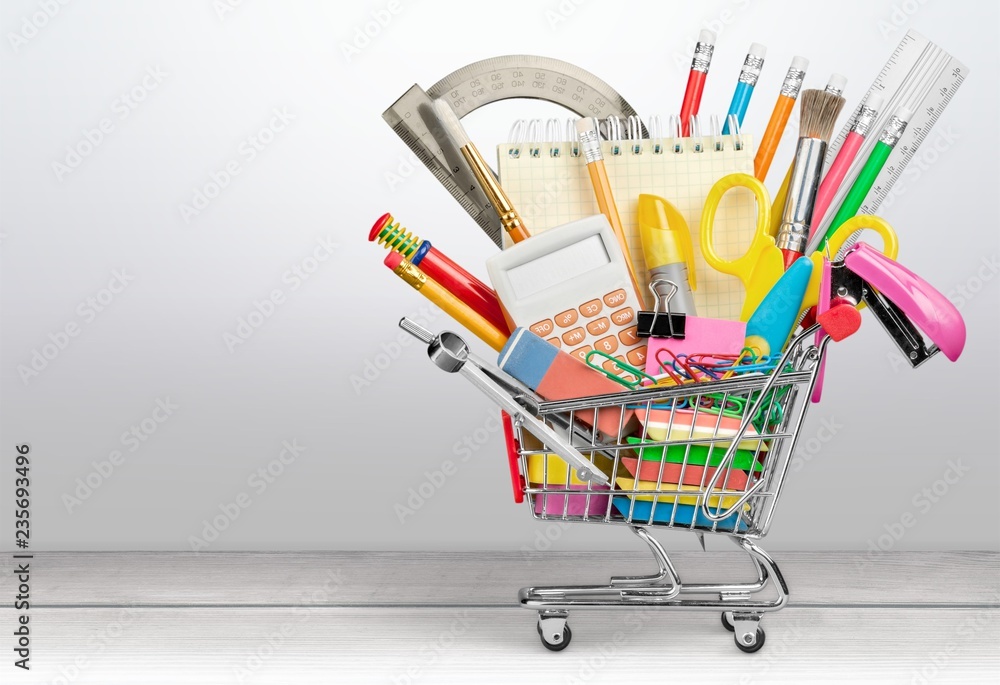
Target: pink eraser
393	259
556	375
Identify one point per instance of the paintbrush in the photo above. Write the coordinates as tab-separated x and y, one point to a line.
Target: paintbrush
509	217
818	116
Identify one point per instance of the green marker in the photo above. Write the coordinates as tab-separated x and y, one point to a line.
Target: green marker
866	179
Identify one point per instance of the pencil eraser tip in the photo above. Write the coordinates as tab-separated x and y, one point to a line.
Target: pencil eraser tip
393	259
904	113
757	50
585	124
875	101
799	63
378	226
706	36
838	81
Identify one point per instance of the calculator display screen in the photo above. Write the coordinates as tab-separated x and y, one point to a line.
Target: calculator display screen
558	266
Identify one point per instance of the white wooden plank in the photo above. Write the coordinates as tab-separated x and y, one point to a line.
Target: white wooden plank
395	578
411	646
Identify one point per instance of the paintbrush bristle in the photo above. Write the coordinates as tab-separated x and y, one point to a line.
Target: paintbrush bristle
452	125
819	114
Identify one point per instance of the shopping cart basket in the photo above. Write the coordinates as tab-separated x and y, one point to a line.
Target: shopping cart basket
708	457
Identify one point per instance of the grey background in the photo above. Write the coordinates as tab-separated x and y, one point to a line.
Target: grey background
325	176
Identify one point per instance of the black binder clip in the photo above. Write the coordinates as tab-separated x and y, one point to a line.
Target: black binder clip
661	323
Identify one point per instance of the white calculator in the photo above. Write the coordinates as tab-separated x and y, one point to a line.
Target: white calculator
571	286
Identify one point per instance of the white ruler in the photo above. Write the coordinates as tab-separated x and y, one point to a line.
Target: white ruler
919	75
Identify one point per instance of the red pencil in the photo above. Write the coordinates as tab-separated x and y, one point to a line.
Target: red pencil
696	80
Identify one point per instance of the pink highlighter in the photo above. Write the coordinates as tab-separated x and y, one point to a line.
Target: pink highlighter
860	127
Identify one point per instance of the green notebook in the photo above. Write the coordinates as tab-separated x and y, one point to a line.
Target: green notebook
697	456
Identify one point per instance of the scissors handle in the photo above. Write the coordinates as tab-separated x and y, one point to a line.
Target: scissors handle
741	267
890	242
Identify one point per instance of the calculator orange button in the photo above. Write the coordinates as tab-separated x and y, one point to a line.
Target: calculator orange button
623	317
637	357
554	341
599	326
629	336
582	353
606	345
612	365
566	319
592	308
616	298
542	327
574	337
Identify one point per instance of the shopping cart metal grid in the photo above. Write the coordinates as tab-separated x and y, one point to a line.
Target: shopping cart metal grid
707	457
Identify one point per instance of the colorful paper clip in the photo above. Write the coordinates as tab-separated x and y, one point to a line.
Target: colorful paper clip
639	374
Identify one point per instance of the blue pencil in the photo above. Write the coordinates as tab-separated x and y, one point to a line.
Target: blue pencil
744	87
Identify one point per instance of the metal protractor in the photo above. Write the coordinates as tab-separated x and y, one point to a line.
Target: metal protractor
413	119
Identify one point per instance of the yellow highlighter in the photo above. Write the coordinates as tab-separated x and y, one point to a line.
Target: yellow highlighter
890	248
669	253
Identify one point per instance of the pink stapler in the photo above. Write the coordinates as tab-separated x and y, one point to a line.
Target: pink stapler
904	304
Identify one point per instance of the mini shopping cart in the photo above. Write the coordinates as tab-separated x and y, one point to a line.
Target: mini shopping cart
728	467
709	457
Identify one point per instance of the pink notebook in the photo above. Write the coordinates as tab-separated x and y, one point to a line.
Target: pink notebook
702	336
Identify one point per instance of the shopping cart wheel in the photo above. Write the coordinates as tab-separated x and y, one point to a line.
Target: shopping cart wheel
758	641
727	623
554	631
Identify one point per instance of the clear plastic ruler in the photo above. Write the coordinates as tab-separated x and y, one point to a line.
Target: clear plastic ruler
413	119
919	75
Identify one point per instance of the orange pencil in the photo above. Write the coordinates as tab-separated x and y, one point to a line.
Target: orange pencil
779	117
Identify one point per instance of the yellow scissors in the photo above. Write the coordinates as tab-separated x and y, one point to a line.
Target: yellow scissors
762	264
890	248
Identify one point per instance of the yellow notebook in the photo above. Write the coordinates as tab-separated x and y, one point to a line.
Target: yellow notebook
549	185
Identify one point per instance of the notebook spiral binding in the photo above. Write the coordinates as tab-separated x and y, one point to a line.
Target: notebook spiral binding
532	136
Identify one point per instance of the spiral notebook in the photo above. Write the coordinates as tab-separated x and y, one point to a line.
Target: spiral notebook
549	184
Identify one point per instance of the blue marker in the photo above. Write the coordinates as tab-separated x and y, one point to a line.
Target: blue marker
744	87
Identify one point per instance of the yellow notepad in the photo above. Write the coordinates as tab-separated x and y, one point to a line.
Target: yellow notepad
550	186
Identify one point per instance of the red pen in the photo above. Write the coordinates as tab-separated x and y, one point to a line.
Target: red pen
696	80
449	275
